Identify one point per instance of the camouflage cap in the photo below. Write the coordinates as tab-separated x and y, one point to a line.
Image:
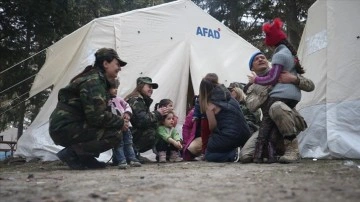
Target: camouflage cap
109	52
235	85
146	80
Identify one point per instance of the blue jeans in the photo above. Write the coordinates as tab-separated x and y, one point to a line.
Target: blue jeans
125	151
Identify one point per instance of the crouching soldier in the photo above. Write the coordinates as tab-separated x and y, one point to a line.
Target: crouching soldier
288	121
81	122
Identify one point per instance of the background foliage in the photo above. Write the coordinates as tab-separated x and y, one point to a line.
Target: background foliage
28	27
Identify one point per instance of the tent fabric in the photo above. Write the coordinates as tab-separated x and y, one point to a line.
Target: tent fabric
168	43
329	51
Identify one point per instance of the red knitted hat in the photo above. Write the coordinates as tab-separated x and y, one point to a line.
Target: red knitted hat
274	32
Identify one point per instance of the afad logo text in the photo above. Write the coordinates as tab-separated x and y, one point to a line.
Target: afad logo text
207	32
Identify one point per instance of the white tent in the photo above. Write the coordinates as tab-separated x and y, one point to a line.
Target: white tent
330	52
171	43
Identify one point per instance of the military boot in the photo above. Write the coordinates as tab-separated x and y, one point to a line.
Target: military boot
68	156
292	154
91	162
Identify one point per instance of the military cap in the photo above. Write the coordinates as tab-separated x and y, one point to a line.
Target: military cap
109	52
235	85
146	80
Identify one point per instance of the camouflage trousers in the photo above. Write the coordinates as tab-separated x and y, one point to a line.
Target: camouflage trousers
289	122
86	140
144	140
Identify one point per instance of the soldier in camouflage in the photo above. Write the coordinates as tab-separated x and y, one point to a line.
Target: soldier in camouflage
144	121
288	121
80	122
252	118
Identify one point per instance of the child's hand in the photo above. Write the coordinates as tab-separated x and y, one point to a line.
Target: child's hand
126	125
177	144
252	77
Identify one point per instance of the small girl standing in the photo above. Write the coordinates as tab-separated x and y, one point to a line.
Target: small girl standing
124	152
168	140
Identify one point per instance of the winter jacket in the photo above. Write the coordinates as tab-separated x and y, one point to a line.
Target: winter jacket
188	134
85	100
232	129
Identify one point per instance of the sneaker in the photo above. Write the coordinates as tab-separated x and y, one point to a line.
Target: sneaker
200	158
162	156
68	156
174	157
135	164
123	165
237	154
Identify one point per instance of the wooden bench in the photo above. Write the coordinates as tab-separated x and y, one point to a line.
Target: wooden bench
11	144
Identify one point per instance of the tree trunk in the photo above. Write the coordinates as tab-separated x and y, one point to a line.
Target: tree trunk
293	28
21	120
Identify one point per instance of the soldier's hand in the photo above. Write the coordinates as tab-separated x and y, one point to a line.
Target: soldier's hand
287	77
163	111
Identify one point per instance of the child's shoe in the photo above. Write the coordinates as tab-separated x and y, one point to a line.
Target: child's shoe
162	156
135	164
123	165
174	157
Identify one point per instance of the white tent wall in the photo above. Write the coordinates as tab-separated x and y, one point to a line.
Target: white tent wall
329	51
166	42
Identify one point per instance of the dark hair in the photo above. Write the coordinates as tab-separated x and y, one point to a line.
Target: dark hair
86	70
164	117
163	103
212	77
298	67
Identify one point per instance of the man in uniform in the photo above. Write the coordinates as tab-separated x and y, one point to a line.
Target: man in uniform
289	122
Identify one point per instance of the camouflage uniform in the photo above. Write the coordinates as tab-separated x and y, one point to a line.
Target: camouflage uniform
80	119
288	121
252	118
144	122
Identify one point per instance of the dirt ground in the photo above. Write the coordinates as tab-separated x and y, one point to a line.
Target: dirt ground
309	180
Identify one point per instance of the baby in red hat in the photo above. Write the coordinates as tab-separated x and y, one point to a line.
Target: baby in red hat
284	59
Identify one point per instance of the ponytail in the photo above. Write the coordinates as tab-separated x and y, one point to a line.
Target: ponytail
87	69
156	106
298	67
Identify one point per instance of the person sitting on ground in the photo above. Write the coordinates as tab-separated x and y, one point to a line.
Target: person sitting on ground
124	153
252	118
168	104
81	122
285	118
229	130
144	121
168	140
192	143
